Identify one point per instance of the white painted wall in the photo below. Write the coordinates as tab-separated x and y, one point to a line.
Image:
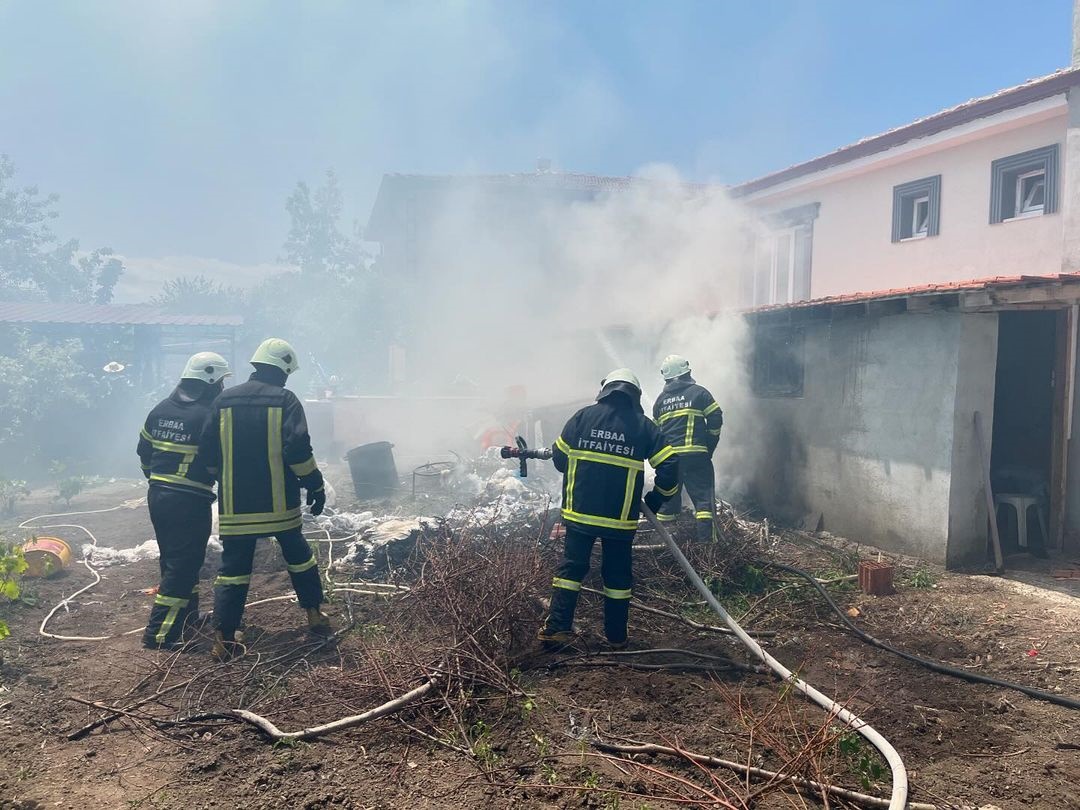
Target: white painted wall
853	250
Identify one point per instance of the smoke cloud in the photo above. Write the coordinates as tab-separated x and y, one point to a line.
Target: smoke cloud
520	286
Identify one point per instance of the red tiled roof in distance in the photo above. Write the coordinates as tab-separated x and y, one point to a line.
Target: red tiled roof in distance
105	315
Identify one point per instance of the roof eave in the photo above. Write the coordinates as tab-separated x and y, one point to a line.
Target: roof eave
1027	93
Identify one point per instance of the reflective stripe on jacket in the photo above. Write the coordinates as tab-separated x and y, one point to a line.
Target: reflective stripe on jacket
688	416
257	442
601	453
169	445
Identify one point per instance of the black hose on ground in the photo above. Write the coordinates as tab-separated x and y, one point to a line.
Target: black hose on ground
929	663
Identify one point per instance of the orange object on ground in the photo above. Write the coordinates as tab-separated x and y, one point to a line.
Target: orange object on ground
876	578
46	556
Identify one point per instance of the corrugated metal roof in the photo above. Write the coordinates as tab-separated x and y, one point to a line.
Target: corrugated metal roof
937	288
105	315
1011	97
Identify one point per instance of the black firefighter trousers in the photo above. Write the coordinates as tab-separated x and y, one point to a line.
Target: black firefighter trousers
616	569
182	523
696	475
234	578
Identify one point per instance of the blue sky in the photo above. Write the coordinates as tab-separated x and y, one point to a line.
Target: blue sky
173	131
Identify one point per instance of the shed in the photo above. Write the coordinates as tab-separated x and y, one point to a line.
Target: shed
148	340
866	408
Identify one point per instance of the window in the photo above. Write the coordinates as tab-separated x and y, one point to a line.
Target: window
1030	193
778	361
1024	185
775	277
781	272
917	209
920	217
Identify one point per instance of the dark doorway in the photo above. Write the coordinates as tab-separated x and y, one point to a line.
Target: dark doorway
1023	434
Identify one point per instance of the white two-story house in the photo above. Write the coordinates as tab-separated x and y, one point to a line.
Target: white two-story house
972	191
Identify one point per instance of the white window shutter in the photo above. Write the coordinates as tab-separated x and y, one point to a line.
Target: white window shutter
804	250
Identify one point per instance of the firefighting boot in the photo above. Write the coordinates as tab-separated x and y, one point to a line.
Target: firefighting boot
318	622
705	527
616	617
557	630
226	646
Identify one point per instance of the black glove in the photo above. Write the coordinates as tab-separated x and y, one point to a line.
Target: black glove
316	499
654	500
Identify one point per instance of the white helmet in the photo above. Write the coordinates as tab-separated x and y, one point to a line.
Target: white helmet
278	353
209	367
674	366
621	379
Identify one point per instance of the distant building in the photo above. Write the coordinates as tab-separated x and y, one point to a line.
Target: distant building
150	343
477	244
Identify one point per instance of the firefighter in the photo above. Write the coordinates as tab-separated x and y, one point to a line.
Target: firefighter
601	454
690	420
257	444
180	494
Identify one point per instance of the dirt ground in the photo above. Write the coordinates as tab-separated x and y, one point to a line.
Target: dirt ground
965	745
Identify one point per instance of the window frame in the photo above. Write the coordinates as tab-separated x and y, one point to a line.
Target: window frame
1020	208
903	226
916	231
772	247
1005	176
798	222
766	338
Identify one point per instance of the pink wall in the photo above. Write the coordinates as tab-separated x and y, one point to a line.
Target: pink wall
853	250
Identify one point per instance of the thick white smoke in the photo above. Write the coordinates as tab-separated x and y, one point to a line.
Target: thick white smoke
550	293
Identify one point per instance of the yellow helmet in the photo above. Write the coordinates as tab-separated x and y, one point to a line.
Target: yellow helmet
210	367
278	353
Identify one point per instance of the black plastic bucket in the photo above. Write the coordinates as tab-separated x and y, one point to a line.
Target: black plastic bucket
374	474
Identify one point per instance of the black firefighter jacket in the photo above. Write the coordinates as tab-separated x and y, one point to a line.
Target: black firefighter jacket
601	453
169	445
257	442
689	416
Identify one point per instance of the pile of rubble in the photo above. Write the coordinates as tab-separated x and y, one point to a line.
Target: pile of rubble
365	544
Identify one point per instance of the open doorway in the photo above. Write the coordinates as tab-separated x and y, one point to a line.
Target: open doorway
1021	461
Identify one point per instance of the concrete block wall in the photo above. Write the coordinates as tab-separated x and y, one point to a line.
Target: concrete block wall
871	444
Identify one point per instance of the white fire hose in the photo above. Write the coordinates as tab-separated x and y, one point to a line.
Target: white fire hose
898	800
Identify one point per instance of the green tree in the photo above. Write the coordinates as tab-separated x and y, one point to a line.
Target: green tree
198	294
333	305
46	389
45	394
35	264
316	244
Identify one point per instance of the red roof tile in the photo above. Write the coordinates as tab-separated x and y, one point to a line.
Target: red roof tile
939	288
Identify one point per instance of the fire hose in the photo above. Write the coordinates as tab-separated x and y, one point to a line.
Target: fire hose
935	666
898	800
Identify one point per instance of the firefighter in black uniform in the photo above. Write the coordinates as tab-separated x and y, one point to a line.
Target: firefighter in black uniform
691	421
180	494
601	454
257	444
